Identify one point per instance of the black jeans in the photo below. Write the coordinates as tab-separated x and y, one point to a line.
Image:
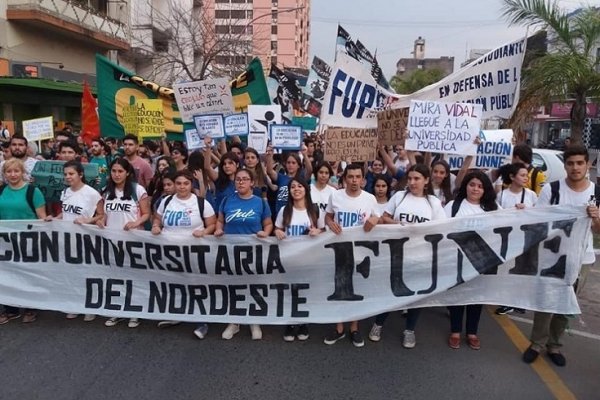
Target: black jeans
473	316
411	318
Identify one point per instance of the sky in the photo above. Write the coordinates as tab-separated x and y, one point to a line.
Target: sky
449	27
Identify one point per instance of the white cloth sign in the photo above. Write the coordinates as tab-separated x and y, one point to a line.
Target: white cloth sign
38	129
493	81
494	151
212	96
329	278
443	127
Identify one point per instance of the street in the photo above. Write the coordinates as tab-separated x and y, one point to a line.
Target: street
58	359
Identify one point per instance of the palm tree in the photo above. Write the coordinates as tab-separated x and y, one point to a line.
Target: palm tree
570	70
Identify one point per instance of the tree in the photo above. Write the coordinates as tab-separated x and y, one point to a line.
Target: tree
570	69
416	80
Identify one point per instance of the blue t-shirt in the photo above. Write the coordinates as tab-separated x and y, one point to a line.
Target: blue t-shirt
282	191
221	194
244	216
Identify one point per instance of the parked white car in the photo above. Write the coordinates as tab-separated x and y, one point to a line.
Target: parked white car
551	162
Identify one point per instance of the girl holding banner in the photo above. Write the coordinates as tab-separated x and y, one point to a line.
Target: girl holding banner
476	195
298	217
19	200
126	206
243	213
413	206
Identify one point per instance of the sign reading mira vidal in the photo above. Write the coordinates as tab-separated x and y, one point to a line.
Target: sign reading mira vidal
526	259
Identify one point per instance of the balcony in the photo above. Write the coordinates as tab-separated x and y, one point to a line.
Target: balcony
73	19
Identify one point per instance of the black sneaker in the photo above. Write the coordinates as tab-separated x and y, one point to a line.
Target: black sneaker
302	332
357	339
504	310
289	335
530	355
334	337
558	359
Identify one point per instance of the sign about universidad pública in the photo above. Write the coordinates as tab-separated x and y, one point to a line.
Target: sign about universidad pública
48	177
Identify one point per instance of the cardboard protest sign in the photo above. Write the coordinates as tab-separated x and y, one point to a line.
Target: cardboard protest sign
443	127
210	125
494	151
38	129
350	144
150	119
48	177
286	137
236	125
212	96
390	126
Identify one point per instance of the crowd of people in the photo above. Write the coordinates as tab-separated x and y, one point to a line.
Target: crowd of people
229	188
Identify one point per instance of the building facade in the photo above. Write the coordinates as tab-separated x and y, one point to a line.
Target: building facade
405	66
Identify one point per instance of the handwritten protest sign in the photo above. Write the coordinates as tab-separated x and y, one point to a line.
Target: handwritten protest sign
350	144
38	129
286	137
236	125
211	96
210	125
443	127
48	177
390	125
494	151
150	118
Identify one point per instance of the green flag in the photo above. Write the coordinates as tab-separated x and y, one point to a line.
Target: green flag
250	87
119	88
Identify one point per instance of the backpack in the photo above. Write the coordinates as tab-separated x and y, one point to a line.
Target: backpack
28	196
456	207
555	195
522	195
200	205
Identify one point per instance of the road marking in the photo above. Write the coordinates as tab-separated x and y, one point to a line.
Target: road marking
540	366
568	331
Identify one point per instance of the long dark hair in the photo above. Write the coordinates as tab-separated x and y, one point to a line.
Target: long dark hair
320	165
296	157
446	184
289	207
222	179
259	173
488	200
76	165
388	182
168	173
423	170
130	181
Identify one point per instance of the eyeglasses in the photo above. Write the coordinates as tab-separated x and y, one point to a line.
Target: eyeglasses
242	180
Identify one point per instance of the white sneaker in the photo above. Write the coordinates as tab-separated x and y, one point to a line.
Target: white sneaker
72	316
113	321
256	332
409	340
230	331
166	324
89	317
375	333
201	331
133	323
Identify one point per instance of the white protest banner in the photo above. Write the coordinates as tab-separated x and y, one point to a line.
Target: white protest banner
236	125
492	80
193	141
443	127
210	125
526	259
38	129
212	96
286	137
353	98
494	151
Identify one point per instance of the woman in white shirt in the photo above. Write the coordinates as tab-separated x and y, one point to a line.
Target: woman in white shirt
126	206
516	176
413	206
476	195
321	190
382	190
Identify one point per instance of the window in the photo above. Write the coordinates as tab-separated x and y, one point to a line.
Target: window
240	29
222	1
222	14
161	46
222	28
249	14
274	60
222	60
273	29
273	45
238	1
238	14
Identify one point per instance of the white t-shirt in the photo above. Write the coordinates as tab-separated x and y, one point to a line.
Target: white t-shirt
29	164
507	199
381	207
351	211
465	209
80	203
183	215
320	198
410	209
119	212
570	197
299	224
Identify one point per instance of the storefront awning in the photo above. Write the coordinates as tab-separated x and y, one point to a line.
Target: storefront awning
42	84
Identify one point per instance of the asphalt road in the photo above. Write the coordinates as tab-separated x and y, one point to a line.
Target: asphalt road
58	359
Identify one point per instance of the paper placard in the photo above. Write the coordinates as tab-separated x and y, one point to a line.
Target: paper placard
494	151
390	125
150	118
193	141
38	129
210	125
212	96
260	117
236	125
258	141
443	127
286	137
350	144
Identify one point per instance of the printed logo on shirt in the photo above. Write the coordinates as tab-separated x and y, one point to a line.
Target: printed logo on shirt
297	230
282	194
347	219
239	214
411	218
69	208
118	207
177	218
